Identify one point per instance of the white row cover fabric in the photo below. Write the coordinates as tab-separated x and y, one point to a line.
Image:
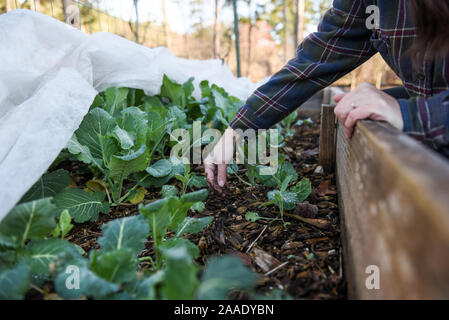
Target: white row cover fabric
49	75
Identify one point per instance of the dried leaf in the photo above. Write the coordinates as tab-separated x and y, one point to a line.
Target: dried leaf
324	189
264	260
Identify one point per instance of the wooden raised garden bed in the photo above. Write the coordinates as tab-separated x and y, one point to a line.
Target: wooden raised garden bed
394	211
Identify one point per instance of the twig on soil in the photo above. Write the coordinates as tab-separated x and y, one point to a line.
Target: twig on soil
319	223
37	289
277	268
254	242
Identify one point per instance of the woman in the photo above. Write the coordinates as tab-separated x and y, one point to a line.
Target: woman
412	37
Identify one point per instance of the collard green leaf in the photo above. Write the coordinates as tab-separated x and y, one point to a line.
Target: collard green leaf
191	248
134	122
198	182
124	138
180	281
90	285
198	207
14	283
47	186
223	274
29	220
42	253
193	225
81	205
93	134
145	289
116	266
169	191
302	190
157	214
64	225
129	233
116	99
83	153
161	168
173	91
252	216
122	166
288	199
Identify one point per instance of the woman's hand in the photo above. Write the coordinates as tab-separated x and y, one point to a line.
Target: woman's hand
216	162
367	102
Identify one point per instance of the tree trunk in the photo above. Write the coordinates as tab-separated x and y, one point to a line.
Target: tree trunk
302	19
37	5
299	22
250	41
136	3
217	30
8	6
165	22
285	31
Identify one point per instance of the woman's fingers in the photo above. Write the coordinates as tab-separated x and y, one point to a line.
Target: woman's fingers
355	115
221	175
338	97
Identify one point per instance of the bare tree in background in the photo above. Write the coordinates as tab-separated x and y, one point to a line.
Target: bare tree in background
217	30
165	22
8	6
299	22
285	18
136	7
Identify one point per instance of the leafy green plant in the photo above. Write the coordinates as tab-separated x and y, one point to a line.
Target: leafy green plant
286	199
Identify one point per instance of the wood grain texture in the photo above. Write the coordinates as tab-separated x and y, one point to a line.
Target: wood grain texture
327	139
394	209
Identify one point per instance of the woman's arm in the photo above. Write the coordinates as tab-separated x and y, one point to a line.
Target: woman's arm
341	44
427	119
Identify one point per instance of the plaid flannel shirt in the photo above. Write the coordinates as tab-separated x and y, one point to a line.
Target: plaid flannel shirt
342	43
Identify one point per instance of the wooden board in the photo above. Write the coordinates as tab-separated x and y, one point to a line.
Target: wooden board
394	207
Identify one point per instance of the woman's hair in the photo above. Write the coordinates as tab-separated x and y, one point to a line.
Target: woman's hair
432	27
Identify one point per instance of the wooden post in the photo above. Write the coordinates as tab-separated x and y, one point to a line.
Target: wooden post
327	138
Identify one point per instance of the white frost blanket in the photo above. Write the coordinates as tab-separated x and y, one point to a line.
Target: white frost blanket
49	76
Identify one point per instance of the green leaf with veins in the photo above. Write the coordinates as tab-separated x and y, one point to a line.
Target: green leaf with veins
173	91
90	284
223	274
191	248
122	166
42	253
161	168
93	134
157	214
83	153
252	216
122	136
29	220
193	225
47	186
64	225
198	207
116	266
14	282
128	232
302	190
169	191
115	100
134	122
81	205
288	199
145	289
180	281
